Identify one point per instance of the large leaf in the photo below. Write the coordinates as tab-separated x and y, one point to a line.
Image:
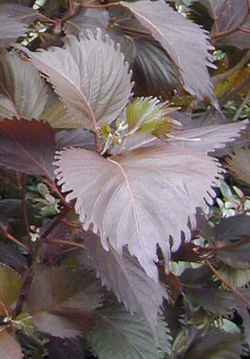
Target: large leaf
9	347
118	335
90	76
22	91
126	210
126	278
115	194
14	20
61	300
186	43
27	146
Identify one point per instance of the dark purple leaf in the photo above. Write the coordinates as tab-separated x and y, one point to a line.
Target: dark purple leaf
126	278
185	42
27	147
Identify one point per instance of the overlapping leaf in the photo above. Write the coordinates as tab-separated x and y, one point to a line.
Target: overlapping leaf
154	72
90	76
216	344
118	335
126	278
14	20
234	233
239	164
62	299
87	19
27	146
191	55
22	91
231	21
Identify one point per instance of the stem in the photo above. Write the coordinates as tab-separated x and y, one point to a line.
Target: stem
224	76
55	222
21	180
241	108
54	189
227	285
10	237
68	243
24	292
103	6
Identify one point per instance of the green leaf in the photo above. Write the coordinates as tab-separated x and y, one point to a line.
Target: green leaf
118	335
10	285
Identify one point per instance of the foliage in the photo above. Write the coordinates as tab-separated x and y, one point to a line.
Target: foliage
125	183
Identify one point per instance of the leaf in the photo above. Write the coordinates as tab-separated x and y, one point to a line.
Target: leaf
10	285
22	91
87	19
27	147
126	278
185	42
154	72
216	344
236	278
147	114
239	164
14	21
61	300
118	335
214	300
234	232
209	138
56	114
9	347
126	210
239	38
66	349
90	76
230	19
75	138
